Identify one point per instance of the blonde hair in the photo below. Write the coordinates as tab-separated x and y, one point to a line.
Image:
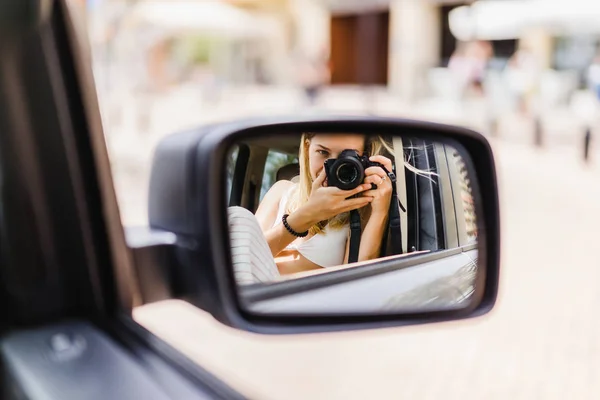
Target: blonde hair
373	146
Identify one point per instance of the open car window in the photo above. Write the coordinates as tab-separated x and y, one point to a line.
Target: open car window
278	165
424	196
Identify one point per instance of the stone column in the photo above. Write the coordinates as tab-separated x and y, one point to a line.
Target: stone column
541	44
414	46
312	20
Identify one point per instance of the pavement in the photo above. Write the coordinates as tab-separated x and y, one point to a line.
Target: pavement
541	341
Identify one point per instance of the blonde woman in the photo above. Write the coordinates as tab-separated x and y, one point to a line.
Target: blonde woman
306	224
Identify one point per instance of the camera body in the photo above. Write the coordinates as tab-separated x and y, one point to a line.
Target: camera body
348	170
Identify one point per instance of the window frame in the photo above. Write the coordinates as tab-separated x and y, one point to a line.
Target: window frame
238	179
266	160
447	195
264	291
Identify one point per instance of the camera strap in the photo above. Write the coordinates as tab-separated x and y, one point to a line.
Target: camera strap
354	236
394	225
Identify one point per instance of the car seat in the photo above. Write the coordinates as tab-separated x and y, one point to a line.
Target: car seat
289	172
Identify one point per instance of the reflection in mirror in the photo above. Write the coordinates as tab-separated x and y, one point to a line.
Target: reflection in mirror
346	223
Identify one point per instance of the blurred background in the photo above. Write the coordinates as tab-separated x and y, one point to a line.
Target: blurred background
525	73
512	68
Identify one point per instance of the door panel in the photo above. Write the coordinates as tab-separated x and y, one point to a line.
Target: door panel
445	280
359	49
343	49
75	360
372	46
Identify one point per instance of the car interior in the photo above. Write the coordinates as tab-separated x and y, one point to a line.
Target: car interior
252	177
420	195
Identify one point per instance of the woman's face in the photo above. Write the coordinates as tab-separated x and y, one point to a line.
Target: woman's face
324	146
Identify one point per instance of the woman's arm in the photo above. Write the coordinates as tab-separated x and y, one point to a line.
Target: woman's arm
267	209
324	203
320	271
278	236
372	235
347	256
370	239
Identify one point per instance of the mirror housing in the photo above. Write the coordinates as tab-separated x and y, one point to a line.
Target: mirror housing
187	198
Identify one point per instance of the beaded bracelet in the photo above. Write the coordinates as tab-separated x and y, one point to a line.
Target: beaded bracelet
289	228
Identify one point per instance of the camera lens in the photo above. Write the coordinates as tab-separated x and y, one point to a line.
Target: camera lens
347	173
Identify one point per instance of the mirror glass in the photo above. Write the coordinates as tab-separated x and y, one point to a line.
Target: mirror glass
351	223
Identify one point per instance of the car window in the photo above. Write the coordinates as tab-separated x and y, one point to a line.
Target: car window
275	161
436	193
425	228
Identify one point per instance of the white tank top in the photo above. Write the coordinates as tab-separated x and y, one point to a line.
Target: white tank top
325	249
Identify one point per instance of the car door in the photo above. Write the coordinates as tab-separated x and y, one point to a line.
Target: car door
67	283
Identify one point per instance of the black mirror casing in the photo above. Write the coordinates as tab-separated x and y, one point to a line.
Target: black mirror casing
187	197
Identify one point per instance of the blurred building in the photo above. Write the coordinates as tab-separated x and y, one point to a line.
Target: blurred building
160	42
563	35
391	43
402	45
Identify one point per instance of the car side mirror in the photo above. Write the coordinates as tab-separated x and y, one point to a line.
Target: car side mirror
329	223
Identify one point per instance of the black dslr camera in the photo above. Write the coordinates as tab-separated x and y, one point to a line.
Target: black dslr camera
348	170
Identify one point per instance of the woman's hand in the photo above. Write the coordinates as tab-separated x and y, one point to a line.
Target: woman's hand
383	194
326	202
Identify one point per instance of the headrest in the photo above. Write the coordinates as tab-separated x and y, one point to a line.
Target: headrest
287	172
